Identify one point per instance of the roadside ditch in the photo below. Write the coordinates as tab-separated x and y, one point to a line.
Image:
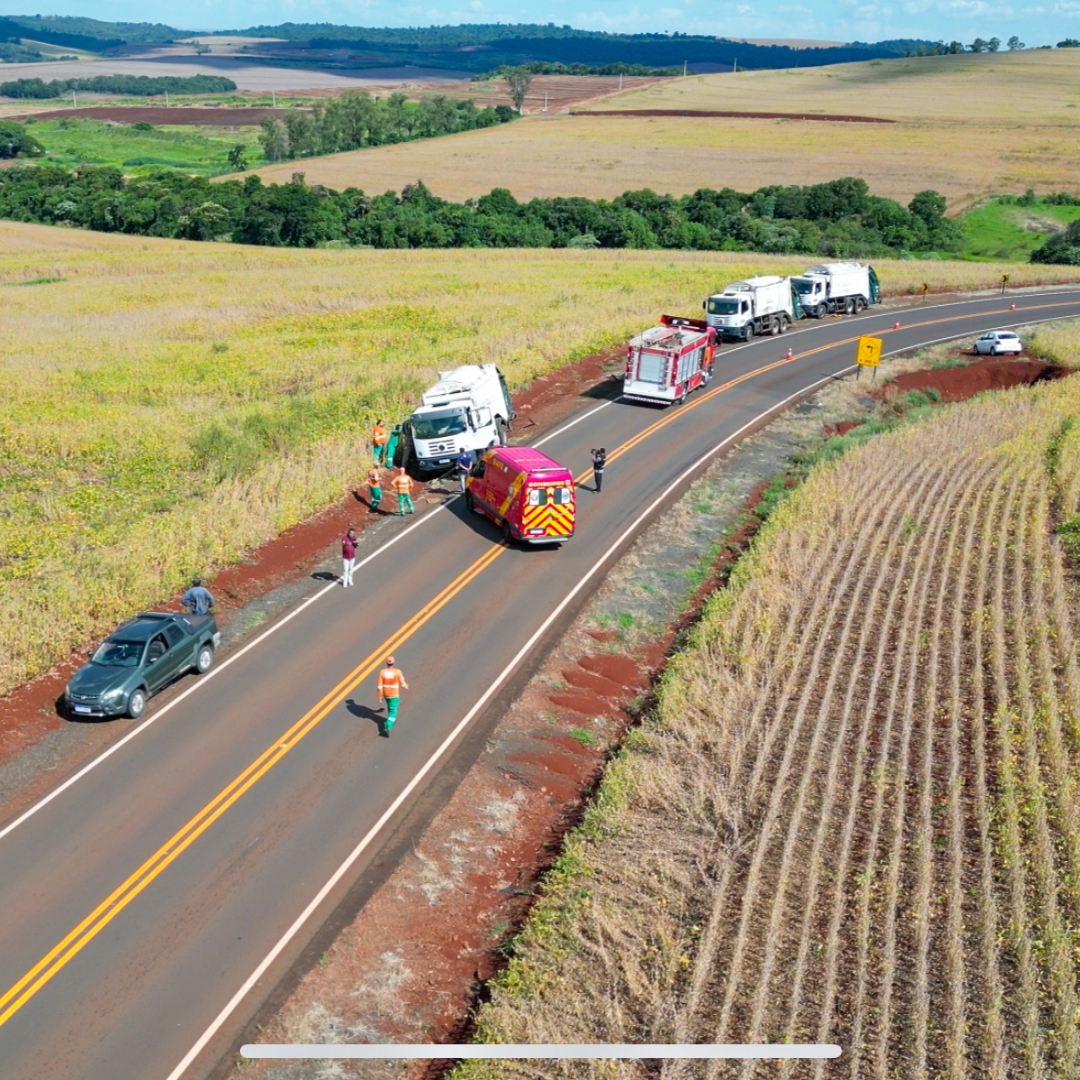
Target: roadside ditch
412	964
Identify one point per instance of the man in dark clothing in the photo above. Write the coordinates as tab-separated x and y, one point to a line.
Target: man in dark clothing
197	600
462	464
599	460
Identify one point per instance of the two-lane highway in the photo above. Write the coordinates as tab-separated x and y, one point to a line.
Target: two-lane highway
152	902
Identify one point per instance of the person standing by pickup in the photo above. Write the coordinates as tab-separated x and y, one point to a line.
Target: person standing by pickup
391	683
198	600
348	557
599	460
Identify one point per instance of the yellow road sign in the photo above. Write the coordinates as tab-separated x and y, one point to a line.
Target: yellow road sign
869	354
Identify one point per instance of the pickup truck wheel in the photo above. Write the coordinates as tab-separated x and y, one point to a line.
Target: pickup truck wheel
136	704
205	660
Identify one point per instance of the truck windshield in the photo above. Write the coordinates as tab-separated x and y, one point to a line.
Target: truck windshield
723	307
803	286
118	654
439	425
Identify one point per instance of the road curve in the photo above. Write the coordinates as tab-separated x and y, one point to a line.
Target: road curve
153	900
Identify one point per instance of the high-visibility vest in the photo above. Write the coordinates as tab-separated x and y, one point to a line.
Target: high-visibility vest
373	478
402	484
378	436
390	682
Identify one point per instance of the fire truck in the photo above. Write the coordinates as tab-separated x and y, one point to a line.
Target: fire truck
667	362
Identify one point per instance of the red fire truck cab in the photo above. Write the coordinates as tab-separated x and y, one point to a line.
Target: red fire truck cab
667	362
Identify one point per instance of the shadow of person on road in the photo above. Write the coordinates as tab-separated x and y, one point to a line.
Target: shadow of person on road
365	712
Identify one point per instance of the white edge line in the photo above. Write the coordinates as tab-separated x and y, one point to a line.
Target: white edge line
203	680
547	1051
338	874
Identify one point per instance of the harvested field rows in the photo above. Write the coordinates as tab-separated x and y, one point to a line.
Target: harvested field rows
855	819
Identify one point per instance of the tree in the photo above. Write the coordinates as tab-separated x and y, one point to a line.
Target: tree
518	81
978	45
201	48
274	139
16	141
236	157
955	47
1069	43
993	44
1015	44
205	222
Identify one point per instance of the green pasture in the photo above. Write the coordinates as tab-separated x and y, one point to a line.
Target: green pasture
201	151
1009	231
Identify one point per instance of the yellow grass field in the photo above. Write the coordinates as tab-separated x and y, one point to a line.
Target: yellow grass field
854	818
968	126
167	406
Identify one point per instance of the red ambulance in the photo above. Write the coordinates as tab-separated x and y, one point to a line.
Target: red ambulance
526	492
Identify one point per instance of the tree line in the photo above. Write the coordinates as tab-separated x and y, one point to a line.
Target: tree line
129	85
356	119
840	218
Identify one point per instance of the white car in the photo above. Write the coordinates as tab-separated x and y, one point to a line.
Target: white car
998	341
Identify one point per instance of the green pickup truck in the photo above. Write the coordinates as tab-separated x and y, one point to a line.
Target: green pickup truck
139	658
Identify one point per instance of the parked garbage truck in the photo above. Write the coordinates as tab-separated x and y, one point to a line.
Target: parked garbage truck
840	288
758	305
469	408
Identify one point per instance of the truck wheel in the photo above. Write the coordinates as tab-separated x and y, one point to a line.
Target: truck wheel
205	660
136	704
774	326
501	428
749	332
820	311
860	304
785	322
849	307
508	535
470	503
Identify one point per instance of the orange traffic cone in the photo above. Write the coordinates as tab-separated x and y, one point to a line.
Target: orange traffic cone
789	356
896	325
1012	307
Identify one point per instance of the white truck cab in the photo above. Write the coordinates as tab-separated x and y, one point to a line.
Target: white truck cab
758	305
469	408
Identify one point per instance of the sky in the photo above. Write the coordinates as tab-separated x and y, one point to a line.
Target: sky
1043	23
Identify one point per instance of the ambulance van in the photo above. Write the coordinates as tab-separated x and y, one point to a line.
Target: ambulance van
525	492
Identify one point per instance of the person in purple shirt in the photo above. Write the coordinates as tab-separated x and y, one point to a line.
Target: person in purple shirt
348	557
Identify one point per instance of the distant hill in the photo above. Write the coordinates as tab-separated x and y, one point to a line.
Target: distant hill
71	32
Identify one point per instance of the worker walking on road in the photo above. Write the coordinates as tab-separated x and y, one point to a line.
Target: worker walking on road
403	487
462	464
378	442
348	557
391	683
599	460
375	487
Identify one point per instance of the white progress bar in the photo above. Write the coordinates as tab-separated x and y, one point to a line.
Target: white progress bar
450	1051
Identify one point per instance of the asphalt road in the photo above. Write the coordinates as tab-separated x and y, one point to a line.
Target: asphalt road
152	904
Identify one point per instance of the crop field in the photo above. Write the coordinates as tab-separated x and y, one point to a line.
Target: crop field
854	817
969	126
168	406
201	151
1006	231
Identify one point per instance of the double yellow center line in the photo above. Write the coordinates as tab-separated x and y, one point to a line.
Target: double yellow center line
119	898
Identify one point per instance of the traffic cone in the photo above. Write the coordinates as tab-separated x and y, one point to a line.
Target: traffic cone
1012	307
789	356
896	325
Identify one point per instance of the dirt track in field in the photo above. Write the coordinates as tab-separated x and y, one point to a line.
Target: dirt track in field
705	113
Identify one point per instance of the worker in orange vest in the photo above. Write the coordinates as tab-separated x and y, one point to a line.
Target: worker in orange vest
391	683
378	442
375	485
403	487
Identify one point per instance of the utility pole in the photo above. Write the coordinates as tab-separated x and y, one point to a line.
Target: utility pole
74	100
545	101
273	96
166	99
684	69
620	80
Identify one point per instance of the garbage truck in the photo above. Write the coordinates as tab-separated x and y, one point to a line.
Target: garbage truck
758	305
840	288
469	408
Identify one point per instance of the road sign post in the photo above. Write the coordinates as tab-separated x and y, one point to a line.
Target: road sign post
868	354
